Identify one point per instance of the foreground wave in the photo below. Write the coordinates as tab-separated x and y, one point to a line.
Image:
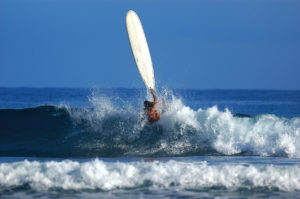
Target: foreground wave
108	130
185	175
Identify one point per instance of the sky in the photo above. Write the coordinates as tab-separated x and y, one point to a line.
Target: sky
197	44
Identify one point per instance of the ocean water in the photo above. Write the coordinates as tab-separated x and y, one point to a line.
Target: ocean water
94	143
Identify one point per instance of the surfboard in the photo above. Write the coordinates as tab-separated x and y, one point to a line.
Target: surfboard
140	49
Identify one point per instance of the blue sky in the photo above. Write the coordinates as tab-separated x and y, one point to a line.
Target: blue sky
202	44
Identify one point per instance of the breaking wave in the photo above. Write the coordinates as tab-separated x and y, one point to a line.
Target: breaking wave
111	130
104	175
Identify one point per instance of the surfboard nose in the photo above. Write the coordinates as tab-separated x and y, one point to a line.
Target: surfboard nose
130	13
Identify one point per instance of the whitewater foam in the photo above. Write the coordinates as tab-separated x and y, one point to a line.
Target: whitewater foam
97	174
182	130
261	135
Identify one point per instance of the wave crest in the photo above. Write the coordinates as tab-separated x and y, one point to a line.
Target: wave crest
108	130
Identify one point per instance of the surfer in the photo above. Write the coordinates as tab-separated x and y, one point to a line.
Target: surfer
143	62
151	108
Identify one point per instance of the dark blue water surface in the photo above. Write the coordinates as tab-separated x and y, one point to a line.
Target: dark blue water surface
279	102
91	143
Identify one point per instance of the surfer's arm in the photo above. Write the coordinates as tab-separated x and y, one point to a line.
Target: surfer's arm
154	114
162	104
154	97
155	100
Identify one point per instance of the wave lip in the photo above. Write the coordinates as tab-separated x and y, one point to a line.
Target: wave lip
97	174
264	135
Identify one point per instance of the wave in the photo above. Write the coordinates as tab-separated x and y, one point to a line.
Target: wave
111	130
101	175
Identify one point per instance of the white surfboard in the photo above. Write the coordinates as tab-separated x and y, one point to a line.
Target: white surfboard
140	48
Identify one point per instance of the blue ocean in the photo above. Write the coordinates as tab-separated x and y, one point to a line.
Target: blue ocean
94	143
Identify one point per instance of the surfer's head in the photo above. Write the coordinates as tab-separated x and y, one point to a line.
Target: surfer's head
148	104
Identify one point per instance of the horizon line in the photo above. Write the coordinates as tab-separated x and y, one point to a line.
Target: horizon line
138	88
